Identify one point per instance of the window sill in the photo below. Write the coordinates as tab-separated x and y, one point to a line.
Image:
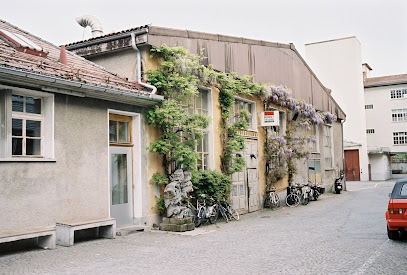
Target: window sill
329	169
26	160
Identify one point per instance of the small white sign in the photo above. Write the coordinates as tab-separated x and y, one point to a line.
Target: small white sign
270	118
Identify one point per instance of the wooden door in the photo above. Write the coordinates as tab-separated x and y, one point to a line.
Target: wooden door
245	184
352	169
252	175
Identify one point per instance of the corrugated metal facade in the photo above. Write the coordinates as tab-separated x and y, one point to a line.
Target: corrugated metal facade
279	64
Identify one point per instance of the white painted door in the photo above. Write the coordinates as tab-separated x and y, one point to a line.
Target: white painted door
121	206
245	184
252	175
239	195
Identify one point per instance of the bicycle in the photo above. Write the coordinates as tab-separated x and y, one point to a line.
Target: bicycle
293	198
206	212
223	212
306	194
272	199
193	212
230	212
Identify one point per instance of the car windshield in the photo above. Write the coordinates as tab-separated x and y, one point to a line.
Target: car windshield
403	191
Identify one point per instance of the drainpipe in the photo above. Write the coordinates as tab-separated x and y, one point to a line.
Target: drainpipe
343	158
133	44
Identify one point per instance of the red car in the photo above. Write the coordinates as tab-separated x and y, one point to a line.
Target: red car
396	214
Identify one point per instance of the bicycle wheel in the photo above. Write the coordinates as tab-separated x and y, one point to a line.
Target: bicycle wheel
190	213
222	211
234	214
213	217
268	202
275	200
316	195
196	219
304	199
292	200
201	217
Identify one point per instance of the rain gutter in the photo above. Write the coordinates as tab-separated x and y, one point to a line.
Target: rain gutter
103	40
78	85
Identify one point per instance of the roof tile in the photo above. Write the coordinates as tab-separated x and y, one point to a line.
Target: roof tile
78	68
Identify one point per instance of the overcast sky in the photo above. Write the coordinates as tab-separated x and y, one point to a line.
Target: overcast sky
380	25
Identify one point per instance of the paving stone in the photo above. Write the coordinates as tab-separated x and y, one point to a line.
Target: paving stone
338	234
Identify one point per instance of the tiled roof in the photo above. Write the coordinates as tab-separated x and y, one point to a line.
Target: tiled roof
386	80
77	70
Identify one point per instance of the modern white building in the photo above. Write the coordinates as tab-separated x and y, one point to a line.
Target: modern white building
338	65
386	121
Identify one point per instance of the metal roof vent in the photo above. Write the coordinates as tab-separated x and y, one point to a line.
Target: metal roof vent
22	43
92	22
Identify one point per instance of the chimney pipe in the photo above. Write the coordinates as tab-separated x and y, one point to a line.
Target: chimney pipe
92	22
62	56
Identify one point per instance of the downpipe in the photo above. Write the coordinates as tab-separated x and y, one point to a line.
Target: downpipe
133	45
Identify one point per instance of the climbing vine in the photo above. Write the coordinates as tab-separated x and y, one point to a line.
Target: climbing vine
177	79
282	151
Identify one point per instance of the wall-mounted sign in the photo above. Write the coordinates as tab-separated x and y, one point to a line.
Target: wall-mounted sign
270	118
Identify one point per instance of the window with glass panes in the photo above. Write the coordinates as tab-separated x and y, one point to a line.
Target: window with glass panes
239	106
200	105
328	146
27	124
402	93
400	138
119	129
312	133
399	115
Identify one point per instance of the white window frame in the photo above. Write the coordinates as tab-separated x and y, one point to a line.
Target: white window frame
369	106
401	138
253	118
316	136
399	115
370	131
24	116
328	146
398	94
210	129
47	125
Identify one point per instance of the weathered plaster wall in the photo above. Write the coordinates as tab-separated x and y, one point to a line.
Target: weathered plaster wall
76	185
380	166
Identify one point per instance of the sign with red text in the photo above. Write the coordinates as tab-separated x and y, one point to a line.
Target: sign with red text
270	118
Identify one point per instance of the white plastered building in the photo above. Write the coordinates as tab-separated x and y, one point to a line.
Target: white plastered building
338	65
386	122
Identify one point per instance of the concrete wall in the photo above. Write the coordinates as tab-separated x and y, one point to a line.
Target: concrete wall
379	118
76	185
380	166
338	65
399	166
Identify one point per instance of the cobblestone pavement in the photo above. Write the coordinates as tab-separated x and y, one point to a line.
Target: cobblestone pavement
338	234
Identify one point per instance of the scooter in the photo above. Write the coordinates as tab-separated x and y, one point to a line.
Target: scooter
338	183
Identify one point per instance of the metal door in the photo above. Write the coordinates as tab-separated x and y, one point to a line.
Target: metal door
121	206
252	177
352	169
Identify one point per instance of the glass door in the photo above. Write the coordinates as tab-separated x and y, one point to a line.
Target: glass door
121	185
